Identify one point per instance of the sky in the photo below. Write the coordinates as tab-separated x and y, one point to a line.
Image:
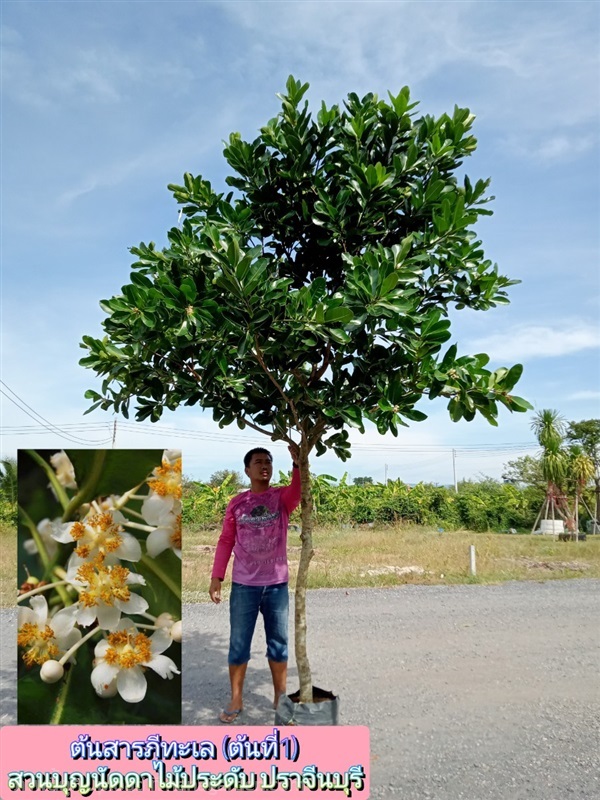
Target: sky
104	103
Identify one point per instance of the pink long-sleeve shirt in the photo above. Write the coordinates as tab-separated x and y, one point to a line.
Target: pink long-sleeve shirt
255	530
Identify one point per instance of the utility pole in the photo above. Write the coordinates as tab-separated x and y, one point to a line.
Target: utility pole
385	474
114	433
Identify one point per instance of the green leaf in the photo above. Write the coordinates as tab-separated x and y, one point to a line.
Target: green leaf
188	288
511	377
338	335
388	284
519	404
338	314
120	471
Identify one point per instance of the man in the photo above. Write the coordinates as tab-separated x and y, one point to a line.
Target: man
255	530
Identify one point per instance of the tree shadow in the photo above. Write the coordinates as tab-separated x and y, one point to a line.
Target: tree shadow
8	666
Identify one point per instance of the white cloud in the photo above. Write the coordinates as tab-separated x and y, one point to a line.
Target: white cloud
566	145
102	74
525	68
585	395
526	341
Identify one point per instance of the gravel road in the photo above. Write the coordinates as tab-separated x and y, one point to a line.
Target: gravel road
470	692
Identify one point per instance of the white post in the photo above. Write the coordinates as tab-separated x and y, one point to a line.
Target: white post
454	469
472	564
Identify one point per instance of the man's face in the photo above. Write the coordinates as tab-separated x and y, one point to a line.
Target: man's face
260	469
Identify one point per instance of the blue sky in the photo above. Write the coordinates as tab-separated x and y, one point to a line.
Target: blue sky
105	103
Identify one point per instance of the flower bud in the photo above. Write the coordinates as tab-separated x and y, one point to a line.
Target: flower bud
177	631
51	671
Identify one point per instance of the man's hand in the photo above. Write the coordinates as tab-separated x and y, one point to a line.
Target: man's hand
215	590
295	453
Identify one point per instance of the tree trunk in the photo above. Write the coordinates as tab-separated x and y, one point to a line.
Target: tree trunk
597	514
306	554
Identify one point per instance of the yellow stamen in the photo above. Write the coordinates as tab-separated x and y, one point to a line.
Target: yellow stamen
98	532
40	644
167	480
128	649
104	584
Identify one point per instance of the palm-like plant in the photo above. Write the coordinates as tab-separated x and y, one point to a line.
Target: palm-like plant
8	480
549	428
581	472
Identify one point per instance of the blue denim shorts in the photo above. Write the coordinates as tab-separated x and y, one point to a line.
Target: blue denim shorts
244	604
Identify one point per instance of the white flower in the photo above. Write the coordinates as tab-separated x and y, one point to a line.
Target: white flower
65	472
167	534
44	639
51	671
45	529
100	535
171	456
171	626
165	489
105	593
122	657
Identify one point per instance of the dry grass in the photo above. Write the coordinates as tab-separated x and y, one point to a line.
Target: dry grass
363	556
8	565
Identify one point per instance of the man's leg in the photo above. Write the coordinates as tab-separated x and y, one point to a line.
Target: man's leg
274	607
243	612
279	675
237	673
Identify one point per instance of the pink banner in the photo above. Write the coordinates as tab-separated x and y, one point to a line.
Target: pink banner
133	761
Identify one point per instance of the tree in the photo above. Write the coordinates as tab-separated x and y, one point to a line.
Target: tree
525	469
8	480
233	478
587	434
315	296
581	471
366	480
549	428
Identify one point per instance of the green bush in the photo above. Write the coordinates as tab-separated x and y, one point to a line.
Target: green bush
8	511
478	505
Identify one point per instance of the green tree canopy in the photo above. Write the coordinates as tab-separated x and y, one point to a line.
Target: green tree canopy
315	295
8	479
586	433
232	476
525	469
365	480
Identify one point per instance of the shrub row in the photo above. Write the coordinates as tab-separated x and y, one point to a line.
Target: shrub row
478	505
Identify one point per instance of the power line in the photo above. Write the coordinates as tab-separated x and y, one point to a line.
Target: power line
191	434
36	417
68	431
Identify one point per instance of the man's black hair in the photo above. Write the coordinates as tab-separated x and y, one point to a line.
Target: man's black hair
250	453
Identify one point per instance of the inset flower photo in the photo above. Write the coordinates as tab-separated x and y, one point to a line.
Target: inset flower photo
99	599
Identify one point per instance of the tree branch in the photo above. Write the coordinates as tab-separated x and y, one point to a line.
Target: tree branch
323	368
256	427
191	370
277	385
316	433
